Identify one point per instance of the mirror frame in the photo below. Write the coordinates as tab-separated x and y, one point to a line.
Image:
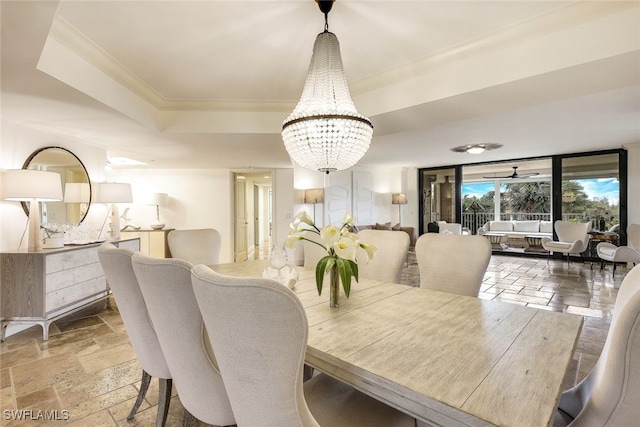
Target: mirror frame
25	206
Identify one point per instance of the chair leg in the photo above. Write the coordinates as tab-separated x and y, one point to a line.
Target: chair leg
144	386
613	273
308	372
163	401
602	265
189	420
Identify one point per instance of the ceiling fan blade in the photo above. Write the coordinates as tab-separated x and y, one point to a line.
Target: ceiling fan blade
514	175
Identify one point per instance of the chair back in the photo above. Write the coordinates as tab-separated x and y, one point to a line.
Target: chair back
260	330
197	246
389	259
570	232
449	227
166	287
312	252
116	263
610	393
633	236
452	263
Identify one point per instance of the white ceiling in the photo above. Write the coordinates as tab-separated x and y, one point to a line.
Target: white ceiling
181	84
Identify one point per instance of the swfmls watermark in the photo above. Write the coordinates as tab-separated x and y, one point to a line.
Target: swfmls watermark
35	415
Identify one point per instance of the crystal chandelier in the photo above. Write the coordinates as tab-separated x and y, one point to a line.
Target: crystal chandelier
325	132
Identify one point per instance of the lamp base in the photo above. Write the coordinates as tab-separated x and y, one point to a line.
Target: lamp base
156	226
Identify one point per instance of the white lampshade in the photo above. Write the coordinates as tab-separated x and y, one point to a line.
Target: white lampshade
158	199
325	132
398	199
34	186
76	192
24	185
112	192
314	195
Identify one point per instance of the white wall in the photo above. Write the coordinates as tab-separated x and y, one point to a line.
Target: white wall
633	179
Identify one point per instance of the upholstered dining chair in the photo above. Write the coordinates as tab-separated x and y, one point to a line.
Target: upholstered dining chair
166	287
609	394
573	238
630	253
116	263
197	246
388	261
452	263
259	329
312	252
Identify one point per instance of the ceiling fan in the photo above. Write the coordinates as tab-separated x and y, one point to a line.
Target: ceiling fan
514	175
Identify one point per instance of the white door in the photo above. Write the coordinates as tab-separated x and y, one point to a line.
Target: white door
241	222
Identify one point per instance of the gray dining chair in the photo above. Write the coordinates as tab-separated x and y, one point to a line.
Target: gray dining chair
610	394
166	287
116	263
389	259
452	263
259	330
197	246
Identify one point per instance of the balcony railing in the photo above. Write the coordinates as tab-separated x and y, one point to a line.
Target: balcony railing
482	218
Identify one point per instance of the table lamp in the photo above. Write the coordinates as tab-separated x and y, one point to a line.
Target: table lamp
113	192
157	200
399	199
27	185
78	192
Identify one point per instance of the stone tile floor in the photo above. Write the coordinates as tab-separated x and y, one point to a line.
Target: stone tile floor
89	369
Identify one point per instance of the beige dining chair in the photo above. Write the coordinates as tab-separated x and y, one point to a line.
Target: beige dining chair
259	329
116	263
452	263
573	238
610	394
166	287
197	246
389	259
312	251
630	254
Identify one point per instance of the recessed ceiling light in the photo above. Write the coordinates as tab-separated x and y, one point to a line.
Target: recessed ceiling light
475	148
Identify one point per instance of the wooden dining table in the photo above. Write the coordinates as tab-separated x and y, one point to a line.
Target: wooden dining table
443	358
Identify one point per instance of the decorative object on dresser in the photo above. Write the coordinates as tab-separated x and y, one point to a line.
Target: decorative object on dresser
157	200
33	186
113	193
37	288
399	199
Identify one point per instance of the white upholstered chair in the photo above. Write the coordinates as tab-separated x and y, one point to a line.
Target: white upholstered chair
259	329
452	263
573	238
116	264
197	246
630	253
610	394
389	259
166	287
449	227
312	252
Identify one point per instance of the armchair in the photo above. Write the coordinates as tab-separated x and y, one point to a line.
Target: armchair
631	253
573	238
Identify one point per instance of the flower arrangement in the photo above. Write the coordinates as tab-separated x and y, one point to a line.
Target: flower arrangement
341	246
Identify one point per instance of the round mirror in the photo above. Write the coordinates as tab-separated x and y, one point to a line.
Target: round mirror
75	185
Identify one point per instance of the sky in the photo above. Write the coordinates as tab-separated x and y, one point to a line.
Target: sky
603	187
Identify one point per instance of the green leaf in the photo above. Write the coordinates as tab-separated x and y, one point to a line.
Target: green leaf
344	268
354	269
323	265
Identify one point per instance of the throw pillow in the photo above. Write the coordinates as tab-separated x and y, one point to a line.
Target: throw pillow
396	227
385	226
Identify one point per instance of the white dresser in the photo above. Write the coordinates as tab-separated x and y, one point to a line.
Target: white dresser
41	287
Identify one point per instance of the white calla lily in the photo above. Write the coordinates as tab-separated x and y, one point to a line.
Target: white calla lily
329	235
345	248
370	249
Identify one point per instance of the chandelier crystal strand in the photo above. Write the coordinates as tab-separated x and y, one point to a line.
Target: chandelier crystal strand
325	132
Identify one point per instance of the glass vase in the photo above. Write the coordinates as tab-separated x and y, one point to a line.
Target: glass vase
334	287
